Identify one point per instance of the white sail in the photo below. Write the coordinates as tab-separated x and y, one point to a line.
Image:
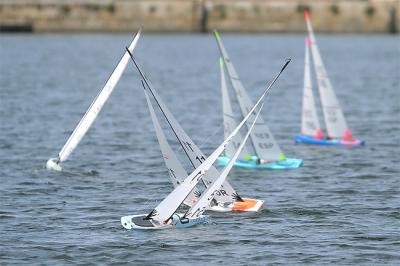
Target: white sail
227	194
336	125
94	109
171	203
265	146
175	169
309	120
204	201
229	120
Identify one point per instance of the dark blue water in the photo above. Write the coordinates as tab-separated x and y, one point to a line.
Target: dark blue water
342	207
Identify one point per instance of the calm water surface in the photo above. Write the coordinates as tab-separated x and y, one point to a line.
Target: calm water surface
342	207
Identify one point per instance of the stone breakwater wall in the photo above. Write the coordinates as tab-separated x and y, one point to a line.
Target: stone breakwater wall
361	16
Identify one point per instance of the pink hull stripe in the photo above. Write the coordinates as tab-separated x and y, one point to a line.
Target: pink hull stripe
351	142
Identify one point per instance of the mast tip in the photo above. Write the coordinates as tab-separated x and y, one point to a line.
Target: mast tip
306	14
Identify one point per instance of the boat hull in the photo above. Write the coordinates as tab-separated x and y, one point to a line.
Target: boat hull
136	222
52	164
311	140
288	163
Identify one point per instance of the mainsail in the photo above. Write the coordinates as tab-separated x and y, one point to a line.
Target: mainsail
175	169
336	125
229	119
226	194
309	120
202	204
265	146
94	109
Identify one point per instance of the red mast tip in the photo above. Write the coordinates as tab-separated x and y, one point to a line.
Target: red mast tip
306	15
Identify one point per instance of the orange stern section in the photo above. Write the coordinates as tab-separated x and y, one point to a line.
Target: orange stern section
248	205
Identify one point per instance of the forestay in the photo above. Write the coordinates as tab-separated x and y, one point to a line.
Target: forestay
229	120
94	109
226	194
309	120
334	119
264	143
204	201
175	169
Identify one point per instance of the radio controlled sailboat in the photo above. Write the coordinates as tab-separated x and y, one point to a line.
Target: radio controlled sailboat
268	154
336	127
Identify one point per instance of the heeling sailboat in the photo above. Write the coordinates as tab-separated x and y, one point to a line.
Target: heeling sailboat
268	153
337	131
165	215
92	112
226	198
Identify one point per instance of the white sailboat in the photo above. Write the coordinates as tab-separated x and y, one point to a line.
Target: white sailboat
226	198
337	130
92	112
268	154
165	214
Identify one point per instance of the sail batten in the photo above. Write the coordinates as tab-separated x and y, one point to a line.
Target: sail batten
96	106
335	121
264	144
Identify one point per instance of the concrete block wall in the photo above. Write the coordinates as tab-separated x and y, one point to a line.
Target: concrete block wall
361	16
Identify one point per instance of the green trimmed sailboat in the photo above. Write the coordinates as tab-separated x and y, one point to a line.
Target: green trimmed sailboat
268	154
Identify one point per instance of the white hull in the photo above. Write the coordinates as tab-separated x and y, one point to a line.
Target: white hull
136	222
53	165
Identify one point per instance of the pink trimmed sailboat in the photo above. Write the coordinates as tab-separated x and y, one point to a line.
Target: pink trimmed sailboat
337	130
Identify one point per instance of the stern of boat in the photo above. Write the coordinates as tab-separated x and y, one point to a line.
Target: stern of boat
248	205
